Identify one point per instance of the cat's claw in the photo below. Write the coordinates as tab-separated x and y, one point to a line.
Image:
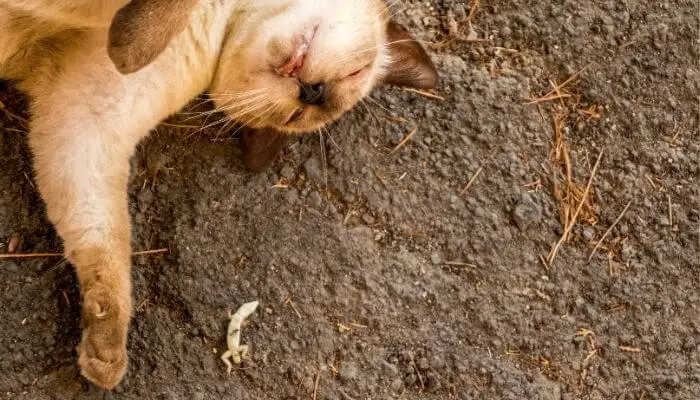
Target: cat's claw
102	354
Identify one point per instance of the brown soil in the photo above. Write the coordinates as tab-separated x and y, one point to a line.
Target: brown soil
379	276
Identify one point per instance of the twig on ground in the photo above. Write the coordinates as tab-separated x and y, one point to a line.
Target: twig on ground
572	222
420	377
589	336
424	93
558	92
629	349
404	140
472	11
148	252
471	181
142	304
289	302
50	255
672	140
317	381
394	118
460	264
547	98
607	232
568	80
552	95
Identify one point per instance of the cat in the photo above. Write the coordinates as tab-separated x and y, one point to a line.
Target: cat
278	67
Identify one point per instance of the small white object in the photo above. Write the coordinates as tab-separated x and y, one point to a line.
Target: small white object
236	352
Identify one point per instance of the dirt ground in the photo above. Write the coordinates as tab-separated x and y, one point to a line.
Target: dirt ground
422	273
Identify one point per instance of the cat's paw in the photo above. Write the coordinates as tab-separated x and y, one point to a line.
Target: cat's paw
102	354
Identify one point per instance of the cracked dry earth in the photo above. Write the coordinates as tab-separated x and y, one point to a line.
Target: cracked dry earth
379	275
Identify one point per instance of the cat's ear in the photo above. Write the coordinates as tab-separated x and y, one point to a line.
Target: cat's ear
261	147
410	65
142	29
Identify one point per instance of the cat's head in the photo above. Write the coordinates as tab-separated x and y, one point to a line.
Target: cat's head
308	62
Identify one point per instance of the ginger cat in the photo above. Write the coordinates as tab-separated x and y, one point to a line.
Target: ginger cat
275	66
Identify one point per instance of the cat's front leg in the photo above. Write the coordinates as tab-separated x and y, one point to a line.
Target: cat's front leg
81	160
106	291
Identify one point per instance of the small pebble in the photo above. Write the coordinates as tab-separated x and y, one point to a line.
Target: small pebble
348	372
410	379
423	364
14	243
288	172
437	258
313	170
292	196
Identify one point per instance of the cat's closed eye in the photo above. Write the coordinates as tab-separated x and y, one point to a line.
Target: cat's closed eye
359	71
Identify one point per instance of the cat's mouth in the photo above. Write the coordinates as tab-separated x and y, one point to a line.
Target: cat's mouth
292	67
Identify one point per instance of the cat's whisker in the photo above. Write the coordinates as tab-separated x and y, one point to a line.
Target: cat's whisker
248	110
324	160
207	126
328	133
396	10
195	115
238	96
371	113
245	103
262	114
378	104
204	124
194	106
243	98
267	112
234	93
387	8
212	97
234	116
255	101
220	94
223	128
201	102
247	123
239	109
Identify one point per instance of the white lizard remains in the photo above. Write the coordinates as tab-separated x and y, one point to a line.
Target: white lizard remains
236	351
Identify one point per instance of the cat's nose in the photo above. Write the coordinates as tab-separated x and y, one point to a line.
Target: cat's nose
313	94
